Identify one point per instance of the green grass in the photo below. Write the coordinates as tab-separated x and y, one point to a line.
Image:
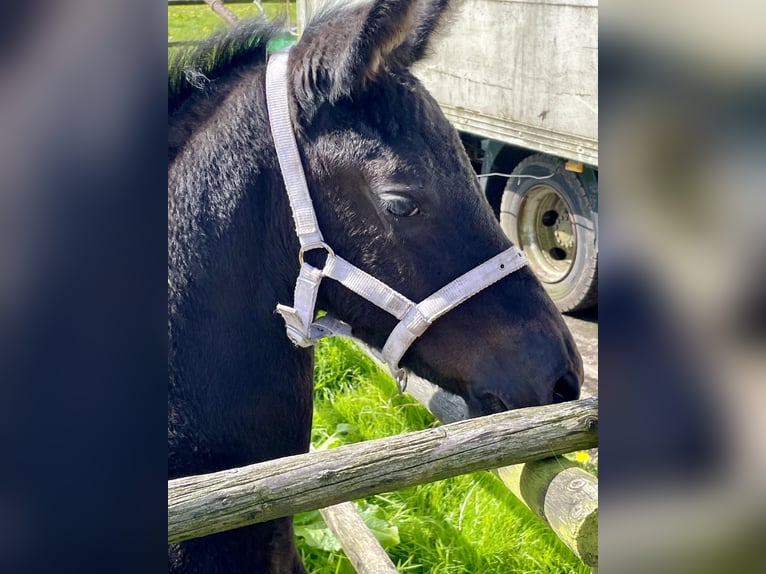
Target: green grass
468	524
195	22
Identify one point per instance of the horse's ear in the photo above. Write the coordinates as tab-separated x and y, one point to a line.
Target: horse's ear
385	28
429	19
342	54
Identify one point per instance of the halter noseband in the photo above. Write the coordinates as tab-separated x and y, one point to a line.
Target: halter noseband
414	318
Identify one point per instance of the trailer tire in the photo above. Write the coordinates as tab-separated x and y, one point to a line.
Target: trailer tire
553	221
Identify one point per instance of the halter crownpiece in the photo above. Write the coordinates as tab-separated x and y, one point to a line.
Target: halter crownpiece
414	318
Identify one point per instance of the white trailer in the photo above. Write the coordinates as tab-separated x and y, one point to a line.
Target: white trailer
519	80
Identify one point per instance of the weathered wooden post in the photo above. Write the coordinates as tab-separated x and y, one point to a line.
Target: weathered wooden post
218	7
359	543
564	496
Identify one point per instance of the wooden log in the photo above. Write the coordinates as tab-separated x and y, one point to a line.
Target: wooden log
359	543
564	496
206	504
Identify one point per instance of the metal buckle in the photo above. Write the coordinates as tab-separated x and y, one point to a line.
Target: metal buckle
293	326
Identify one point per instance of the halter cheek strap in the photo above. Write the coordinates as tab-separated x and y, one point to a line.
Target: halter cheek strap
414	318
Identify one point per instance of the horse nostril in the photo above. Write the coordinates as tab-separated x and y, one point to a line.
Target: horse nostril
567	388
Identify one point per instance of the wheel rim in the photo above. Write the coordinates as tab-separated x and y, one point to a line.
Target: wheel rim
547	234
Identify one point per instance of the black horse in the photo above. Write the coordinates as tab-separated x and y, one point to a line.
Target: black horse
394	195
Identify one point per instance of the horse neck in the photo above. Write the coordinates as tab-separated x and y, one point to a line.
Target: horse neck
239	391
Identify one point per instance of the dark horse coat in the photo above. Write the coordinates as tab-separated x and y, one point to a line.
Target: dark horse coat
394	194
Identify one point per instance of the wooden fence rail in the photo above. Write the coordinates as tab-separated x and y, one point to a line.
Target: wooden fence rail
206	504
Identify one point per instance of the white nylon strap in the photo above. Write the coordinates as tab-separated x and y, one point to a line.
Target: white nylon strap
447	298
367	286
277	102
299	317
327	326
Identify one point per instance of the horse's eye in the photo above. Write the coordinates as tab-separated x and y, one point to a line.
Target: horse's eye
399	205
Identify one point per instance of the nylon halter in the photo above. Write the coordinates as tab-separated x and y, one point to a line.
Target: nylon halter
413	318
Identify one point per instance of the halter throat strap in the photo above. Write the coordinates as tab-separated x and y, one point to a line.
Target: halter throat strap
414	318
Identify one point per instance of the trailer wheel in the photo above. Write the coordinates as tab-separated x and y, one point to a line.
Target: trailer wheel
552	221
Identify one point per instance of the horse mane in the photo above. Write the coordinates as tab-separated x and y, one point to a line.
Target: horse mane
197	73
195	68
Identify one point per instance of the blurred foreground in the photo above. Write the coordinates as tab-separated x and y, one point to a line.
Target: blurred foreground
683	303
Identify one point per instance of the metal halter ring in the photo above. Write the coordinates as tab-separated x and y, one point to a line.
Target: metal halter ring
320	245
401	377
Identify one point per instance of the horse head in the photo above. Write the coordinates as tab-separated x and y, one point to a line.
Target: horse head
395	195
